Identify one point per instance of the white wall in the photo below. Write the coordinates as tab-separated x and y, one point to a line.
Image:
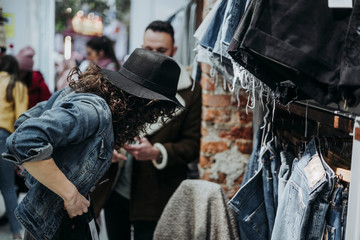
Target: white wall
34	25
145	11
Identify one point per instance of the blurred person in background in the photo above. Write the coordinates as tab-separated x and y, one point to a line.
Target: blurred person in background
37	89
65	67
100	51
158	163
13	102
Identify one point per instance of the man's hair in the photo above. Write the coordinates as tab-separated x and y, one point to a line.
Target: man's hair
161	26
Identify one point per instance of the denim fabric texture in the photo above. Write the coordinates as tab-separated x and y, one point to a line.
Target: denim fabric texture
253	164
333	228
284	171
344	210
270	43
271	164
7	185
249	207
209	39
305	200
202	29
81	145
233	13
255	203
246	58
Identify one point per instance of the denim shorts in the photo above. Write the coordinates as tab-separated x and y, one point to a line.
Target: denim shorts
314	46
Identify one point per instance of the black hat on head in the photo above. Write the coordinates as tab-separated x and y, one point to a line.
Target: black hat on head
147	74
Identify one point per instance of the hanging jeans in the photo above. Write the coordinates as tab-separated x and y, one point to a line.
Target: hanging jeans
305	200
336	215
255	203
253	163
285	171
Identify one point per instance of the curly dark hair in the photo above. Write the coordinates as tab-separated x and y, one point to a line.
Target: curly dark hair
130	114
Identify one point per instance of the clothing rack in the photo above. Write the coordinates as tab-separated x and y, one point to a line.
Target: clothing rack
349	123
333	118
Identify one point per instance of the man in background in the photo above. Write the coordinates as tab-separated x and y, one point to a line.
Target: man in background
157	163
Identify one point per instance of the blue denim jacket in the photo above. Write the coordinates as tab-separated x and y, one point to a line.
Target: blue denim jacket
77	132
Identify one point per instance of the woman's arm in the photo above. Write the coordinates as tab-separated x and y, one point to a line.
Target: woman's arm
48	173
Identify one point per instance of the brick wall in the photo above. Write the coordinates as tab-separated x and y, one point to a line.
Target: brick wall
227	134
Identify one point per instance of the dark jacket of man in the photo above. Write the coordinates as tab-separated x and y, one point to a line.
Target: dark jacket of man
151	188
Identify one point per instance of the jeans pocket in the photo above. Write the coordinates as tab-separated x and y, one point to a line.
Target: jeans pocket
258	221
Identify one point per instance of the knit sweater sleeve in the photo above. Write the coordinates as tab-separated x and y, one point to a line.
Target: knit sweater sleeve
21	99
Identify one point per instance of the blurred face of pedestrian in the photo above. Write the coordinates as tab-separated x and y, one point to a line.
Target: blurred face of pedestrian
93	55
160	42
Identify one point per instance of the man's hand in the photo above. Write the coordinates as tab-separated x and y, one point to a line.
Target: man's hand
117	157
144	151
76	205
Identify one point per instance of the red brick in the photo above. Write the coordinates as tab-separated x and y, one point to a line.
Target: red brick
239	180
230	193
204	161
213	147
221	177
216	115
245	117
243	100
216	100
238	133
244	147
207	83
205	68
207	177
204	131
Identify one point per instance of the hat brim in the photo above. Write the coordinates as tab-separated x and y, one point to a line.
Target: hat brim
133	88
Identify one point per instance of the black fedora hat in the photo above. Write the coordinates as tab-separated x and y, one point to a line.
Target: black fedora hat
147	74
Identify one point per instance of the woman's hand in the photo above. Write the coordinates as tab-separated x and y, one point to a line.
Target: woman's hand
76	205
48	173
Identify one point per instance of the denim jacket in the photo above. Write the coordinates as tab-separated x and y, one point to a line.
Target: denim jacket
77	132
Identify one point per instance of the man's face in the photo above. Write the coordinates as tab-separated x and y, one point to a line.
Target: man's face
160	42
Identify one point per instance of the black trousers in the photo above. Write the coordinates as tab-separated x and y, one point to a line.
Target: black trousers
72	228
118	224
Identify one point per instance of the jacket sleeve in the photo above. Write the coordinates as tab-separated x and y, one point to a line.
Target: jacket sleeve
186	149
70	122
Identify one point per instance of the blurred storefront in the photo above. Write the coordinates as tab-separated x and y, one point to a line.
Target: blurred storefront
32	22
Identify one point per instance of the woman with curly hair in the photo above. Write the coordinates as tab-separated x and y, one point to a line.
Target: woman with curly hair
66	143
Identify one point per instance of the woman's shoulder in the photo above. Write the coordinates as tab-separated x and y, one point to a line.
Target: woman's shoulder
69	95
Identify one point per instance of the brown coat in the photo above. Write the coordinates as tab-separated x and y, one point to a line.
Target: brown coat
152	188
